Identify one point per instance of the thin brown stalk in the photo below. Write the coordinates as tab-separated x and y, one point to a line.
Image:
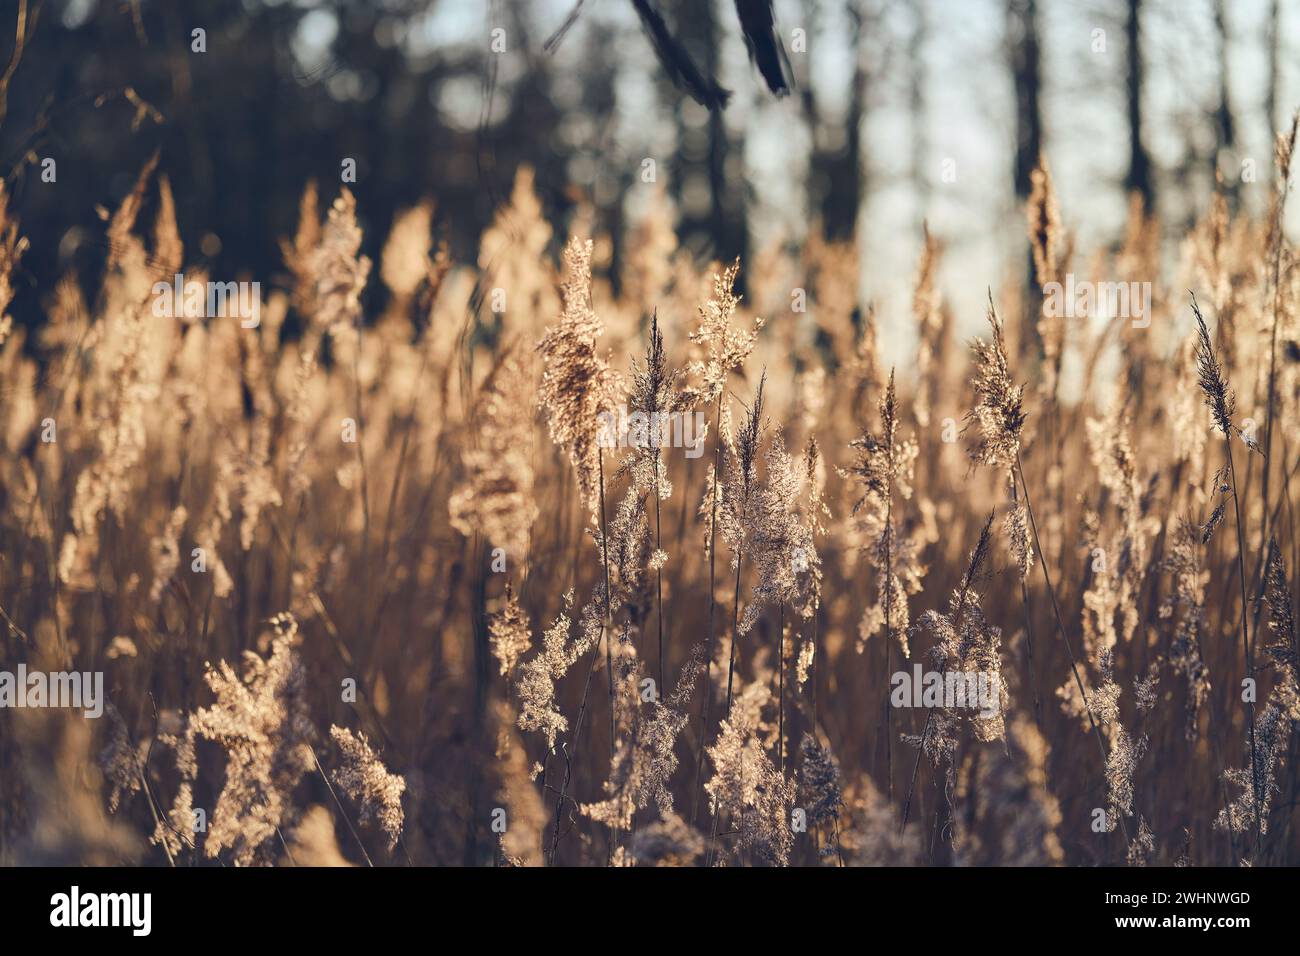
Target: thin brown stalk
1245	640
968	580
708	659
1060	628
342	812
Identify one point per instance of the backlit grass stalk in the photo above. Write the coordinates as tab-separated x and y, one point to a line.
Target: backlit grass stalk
977	557
1221	401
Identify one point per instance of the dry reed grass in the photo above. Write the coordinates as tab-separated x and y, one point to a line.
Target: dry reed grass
551	663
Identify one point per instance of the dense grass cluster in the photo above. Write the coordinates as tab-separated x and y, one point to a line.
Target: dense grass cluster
370	584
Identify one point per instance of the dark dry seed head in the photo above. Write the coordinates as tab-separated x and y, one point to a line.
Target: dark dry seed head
979	553
1277	594
999	404
750	433
1209	374
652	380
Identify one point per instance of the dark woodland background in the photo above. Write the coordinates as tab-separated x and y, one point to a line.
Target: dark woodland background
886	91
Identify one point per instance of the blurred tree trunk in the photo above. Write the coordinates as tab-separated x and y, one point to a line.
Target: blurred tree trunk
704	154
808	102
1225	128
611	180
836	182
1026	71
1024	57
917	108
1139	164
1274	65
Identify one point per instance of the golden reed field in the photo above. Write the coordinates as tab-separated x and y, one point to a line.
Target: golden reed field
528	572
